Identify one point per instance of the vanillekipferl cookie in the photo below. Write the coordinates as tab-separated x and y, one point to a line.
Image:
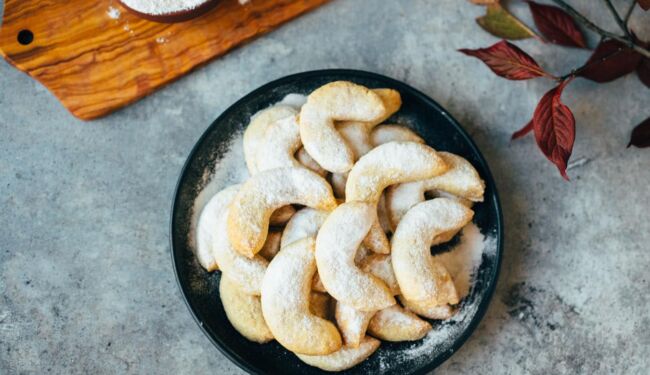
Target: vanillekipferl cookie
251	209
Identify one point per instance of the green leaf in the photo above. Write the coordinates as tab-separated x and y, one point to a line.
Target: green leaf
501	23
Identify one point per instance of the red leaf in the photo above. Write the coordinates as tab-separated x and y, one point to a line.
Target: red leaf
643	71
508	61
555	128
611	60
523	131
556	25
645	4
641	135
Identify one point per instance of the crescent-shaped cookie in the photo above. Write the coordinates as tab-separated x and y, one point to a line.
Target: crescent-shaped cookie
428	309
393	133
285	302
244	311
388	164
397	324
419	275
336	246
344	358
336	101
247	273
254	133
205	233
461	180
260	195
352	323
280	142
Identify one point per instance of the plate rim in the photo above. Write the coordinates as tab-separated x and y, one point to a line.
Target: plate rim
489	179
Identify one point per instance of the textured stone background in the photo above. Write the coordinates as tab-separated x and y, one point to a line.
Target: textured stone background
86	283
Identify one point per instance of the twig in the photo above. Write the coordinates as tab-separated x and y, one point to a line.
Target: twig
626	19
590	25
618	19
577	71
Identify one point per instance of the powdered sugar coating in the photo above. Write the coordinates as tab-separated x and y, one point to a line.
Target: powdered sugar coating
305	223
388	164
461	180
381	266
344	358
336	246
285	302
393	133
426	224
397	324
248	221
336	101
352	323
256	129
246	273
280	142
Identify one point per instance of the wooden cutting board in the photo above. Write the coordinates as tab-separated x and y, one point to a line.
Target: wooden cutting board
96	57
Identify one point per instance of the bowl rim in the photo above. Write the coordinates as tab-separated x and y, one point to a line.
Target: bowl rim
489	179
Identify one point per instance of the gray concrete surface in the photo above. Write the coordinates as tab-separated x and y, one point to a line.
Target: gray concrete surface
86	283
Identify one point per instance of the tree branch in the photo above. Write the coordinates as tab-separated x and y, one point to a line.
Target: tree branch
590	25
618	19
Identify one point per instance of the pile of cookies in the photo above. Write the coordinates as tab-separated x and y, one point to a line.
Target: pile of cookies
304	244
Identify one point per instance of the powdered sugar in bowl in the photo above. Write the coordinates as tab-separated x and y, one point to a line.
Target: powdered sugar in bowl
168	11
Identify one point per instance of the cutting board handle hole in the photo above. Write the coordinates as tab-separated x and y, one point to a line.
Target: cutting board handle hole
25	37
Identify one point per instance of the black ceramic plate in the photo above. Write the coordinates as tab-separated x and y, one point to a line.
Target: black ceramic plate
200	289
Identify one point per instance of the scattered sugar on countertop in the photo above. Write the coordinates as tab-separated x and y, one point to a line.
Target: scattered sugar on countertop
113	13
159	7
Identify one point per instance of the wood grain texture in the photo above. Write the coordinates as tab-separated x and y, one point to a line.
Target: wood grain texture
96	64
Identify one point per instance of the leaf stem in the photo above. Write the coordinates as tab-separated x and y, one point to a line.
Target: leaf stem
590	25
626	19
577	71
618	19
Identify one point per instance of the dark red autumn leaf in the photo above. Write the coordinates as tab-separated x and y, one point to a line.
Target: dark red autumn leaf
611	60
641	135
643	71
556	25
508	61
555	128
523	131
645	4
